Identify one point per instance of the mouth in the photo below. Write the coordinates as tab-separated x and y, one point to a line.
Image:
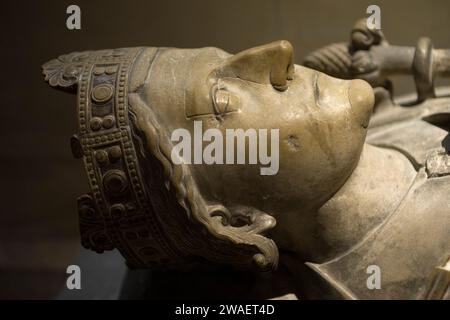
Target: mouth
362	99
333	92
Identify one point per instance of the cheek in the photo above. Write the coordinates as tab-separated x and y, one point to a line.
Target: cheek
325	142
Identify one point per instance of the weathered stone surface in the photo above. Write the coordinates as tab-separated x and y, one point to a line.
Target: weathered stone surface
339	203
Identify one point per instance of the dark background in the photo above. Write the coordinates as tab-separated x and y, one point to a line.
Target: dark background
40	181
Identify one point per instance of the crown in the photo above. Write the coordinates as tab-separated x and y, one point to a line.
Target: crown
117	212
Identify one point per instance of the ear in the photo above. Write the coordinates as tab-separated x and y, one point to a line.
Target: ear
267	64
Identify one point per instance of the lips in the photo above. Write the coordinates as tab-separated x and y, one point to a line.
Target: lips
361	98
356	95
330	92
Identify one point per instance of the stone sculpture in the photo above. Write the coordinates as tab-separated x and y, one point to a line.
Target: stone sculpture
347	196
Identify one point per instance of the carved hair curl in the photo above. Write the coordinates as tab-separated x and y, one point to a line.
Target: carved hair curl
233	235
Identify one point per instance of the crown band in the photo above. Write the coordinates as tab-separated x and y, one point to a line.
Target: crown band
117	213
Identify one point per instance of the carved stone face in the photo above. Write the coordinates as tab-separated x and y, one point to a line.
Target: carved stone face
322	121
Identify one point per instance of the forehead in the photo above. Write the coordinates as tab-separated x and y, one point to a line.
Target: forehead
193	60
182	69
178	80
177	73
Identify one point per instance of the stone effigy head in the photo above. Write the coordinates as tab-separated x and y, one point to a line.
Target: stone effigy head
194	154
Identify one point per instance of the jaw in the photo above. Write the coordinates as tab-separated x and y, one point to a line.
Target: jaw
371	193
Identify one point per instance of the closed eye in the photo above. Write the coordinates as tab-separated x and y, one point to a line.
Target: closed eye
223	101
220	99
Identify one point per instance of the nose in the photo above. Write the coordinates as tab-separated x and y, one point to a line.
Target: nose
361	97
270	63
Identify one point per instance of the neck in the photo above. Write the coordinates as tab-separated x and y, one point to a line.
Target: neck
372	192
